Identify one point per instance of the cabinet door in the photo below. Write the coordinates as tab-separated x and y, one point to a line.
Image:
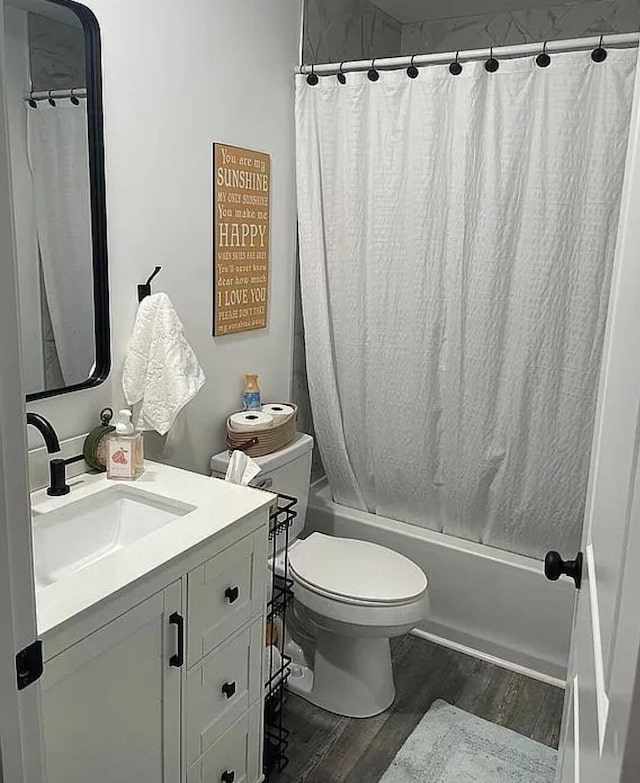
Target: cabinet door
111	703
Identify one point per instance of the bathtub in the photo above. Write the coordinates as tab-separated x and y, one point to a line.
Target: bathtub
485	602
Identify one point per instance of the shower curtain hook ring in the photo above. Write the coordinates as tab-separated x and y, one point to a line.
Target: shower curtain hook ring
543	59
312	78
50	99
412	71
492	64
372	74
455	69
599	54
341	77
73	98
32	101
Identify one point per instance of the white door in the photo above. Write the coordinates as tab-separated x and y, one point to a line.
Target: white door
111	702
20	742
601	716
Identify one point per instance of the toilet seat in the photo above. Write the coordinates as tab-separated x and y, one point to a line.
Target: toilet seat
356	572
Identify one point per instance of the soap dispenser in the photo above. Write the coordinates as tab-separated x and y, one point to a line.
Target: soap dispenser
125	450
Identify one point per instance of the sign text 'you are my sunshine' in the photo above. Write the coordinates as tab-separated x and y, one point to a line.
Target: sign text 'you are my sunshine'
241	247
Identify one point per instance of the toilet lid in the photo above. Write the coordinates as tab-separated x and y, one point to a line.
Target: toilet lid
356	570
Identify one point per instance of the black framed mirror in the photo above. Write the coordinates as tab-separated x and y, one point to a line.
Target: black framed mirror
56	143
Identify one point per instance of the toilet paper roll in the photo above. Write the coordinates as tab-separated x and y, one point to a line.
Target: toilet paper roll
279	411
246	421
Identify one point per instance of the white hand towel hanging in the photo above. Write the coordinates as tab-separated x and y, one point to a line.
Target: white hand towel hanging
160	368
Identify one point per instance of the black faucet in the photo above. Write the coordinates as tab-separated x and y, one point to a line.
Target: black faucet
45	428
57	467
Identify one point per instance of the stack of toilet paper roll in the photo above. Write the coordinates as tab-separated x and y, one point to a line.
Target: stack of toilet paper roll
260	432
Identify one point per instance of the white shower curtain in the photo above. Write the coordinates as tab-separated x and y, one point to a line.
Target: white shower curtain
456	245
58	155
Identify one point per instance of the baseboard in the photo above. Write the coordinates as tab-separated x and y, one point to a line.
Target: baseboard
496	661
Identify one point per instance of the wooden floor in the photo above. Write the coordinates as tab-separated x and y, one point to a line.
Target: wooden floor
326	748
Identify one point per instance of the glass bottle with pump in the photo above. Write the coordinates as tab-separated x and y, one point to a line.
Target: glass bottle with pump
125	450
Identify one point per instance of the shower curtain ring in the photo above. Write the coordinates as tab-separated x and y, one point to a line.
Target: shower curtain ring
32	101
543	59
492	64
599	54
50	99
312	79
372	74
340	76
412	71
73	98
455	69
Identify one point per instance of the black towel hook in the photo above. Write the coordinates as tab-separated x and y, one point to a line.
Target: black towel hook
599	54
455	69
372	74
492	64
144	289
312	78
340	75
543	58
412	71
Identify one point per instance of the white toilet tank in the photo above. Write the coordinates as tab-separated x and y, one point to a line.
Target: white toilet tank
287	471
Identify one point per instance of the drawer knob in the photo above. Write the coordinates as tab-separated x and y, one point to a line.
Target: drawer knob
228	777
229	689
231	594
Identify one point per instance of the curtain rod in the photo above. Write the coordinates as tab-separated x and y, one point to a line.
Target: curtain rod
499	52
45	95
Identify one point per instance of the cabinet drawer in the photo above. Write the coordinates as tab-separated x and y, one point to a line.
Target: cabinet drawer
236	756
223	594
222	687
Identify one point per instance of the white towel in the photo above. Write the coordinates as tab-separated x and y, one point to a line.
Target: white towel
160	368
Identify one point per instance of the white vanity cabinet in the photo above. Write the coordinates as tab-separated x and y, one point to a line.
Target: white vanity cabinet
111	702
166	687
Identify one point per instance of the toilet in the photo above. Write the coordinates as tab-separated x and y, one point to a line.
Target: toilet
351	596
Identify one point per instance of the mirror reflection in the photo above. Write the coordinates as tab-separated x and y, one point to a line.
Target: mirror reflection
47	113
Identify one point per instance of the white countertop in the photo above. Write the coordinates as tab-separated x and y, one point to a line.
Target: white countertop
219	504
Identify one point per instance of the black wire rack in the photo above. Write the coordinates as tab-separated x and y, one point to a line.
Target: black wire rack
275	733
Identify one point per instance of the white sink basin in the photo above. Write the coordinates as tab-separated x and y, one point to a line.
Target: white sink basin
82	532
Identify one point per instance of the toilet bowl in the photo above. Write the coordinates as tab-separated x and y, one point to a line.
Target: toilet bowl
350	596
357	596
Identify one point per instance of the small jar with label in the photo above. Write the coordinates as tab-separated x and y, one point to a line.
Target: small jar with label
251	395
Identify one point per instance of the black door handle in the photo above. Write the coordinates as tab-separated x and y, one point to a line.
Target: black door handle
178	658
229	689
555	566
231	594
228	777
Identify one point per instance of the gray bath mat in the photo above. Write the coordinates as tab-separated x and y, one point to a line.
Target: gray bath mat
451	746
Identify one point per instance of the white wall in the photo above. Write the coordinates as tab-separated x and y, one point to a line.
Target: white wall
177	77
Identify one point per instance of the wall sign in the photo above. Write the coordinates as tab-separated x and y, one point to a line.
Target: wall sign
241	239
